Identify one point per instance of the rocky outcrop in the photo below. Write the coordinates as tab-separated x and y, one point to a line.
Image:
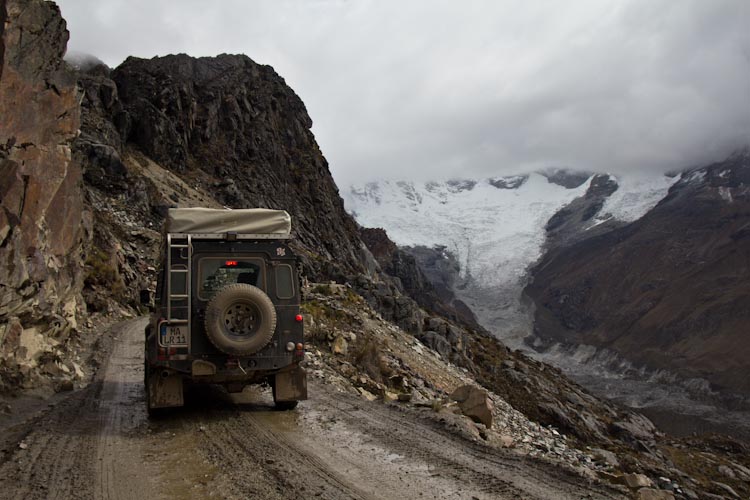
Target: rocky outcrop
475	403
669	291
565	177
572	223
234	128
180	131
411	280
441	268
42	218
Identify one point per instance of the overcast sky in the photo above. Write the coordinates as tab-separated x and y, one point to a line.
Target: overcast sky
439	89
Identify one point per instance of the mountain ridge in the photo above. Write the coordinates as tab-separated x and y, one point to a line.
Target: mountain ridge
679	271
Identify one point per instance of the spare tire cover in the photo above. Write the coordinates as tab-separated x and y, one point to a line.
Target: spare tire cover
240	319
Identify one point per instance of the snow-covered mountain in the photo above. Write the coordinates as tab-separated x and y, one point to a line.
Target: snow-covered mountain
495	228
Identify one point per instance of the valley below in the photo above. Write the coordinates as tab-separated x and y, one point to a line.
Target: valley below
482	241
677	405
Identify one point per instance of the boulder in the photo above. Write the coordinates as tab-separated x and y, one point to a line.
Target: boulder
367	394
727	471
635	481
606	457
653	494
339	346
507	441
474	403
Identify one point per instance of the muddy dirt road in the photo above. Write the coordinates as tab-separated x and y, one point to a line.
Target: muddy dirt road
98	443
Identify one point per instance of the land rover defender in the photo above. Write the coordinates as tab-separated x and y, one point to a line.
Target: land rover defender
227	307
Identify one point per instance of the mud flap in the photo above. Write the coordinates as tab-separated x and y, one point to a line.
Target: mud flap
165	392
291	385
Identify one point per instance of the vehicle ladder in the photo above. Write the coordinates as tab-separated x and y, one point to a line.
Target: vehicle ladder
179	256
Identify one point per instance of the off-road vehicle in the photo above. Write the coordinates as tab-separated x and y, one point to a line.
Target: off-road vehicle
227	307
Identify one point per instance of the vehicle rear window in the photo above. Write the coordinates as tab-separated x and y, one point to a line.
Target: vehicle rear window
284	282
216	273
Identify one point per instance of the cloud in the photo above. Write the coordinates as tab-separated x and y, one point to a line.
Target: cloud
435	89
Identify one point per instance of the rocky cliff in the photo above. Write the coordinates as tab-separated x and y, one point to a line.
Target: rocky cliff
669	291
411	276
228	127
42	228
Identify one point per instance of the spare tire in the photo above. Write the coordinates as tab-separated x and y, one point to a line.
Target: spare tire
240	320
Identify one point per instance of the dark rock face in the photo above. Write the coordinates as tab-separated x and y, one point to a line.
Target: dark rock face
228	126
512	182
441	269
411	279
569	179
669	291
41	221
237	124
459	185
566	226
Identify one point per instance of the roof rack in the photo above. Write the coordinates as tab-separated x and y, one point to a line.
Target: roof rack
232	236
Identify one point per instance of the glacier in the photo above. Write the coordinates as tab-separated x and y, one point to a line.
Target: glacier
495	228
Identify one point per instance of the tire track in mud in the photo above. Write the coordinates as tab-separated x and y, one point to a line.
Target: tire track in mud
265	464
120	473
79	448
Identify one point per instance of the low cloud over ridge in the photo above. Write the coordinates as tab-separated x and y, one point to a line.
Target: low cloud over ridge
435	89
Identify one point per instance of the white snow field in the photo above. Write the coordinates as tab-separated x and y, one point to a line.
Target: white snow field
495	233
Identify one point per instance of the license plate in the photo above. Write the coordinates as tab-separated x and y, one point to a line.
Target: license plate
174	335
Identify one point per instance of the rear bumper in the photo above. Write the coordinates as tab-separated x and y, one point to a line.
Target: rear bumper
220	371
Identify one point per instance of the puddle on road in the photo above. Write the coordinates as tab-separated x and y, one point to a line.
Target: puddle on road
181	471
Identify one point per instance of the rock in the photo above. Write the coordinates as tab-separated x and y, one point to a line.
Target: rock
41	200
727	472
339	346
692	495
78	371
367	394
742	473
404	397
606	456
64	386
52	368
23	445
32	344
726	488
437	343
506	441
653	494
389	396
665	483
636	428
635	481
474	403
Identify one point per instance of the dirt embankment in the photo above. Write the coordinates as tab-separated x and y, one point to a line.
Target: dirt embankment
98	443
